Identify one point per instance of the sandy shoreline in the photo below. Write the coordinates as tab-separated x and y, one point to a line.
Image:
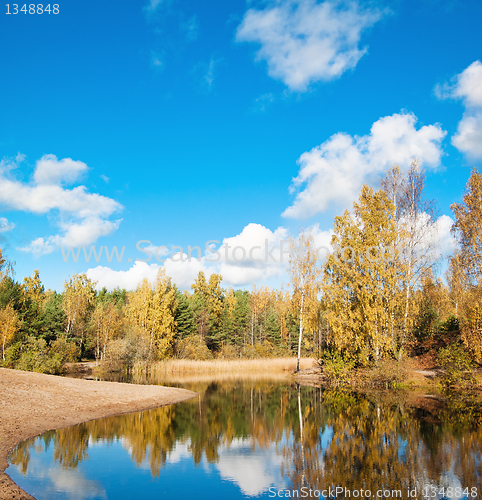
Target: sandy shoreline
32	403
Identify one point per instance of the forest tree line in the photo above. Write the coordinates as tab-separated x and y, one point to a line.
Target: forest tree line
376	296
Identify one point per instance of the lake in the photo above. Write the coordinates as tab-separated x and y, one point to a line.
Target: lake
264	439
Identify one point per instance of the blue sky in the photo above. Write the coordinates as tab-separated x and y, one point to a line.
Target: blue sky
179	123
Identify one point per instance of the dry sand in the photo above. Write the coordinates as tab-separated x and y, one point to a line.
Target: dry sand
32	403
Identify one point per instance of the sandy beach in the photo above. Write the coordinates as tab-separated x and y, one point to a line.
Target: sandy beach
32	403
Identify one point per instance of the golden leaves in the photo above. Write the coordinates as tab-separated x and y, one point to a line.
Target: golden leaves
362	282
153	312
9	325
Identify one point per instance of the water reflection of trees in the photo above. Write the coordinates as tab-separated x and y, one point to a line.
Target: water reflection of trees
379	444
375	443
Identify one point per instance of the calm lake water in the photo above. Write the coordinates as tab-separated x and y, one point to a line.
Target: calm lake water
263	439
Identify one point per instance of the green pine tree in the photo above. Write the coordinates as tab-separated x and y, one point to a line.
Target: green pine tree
273	328
240	317
186	324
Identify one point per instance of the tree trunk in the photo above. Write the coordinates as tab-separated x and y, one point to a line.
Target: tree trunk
97	349
301	334
252	328
405	321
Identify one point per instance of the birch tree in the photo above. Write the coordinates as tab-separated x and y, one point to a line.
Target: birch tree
6	268
467	229
9	325
33	289
416	224
165	306
362	280
303	278
78	302
466	265
106	322
153	311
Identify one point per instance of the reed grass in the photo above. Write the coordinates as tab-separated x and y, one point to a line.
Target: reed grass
262	366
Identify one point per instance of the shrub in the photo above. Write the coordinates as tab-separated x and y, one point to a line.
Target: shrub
386	374
249	352
426	324
457	364
36	357
265	350
228	352
12	355
336	369
193	347
121	354
65	350
450	326
118	356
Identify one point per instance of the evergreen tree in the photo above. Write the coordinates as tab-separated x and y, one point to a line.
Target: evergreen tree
185	320
53	318
118	296
240	317
273	329
292	326
216	306
199	306
11	293
208	305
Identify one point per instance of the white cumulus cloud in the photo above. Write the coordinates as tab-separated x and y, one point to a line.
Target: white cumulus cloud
467	86
5	225
256	254
445	243
303	41
183	273
433	240
50	170
468	137
334	172
130	279
81	216
253	256
322	239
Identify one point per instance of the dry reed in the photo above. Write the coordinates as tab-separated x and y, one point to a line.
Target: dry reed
266	366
